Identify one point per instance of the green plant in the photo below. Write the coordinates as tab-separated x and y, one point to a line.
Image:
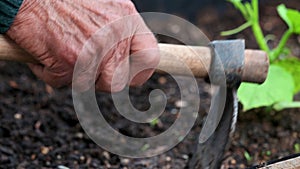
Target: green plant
283	79
154	122
267	153
247	156
297	148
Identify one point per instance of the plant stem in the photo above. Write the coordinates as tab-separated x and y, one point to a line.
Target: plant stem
276	52
236	30
286	105
259	36
255	8
239	5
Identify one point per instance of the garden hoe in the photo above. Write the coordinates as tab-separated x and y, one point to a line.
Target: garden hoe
225	63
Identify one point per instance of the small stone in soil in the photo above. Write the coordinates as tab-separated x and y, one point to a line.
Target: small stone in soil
62	167
38	124
106	155
48	163
18	116
58	157
82	158
184	156
162	80
45	150
79	135
295	134
13	84
168	159
242	166
49	89
233	162
125	161
180	103
33	156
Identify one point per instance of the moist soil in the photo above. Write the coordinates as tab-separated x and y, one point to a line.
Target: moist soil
39	127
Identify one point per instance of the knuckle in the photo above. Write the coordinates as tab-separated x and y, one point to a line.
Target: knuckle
129	5
116	89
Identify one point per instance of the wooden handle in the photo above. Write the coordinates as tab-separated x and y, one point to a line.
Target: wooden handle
173	57
255	70
11	52
180	60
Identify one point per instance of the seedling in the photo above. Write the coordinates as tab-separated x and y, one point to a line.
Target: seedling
267	153
283	79
247	156
297	148
154	122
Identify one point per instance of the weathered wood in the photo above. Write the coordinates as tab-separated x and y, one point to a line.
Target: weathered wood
293	163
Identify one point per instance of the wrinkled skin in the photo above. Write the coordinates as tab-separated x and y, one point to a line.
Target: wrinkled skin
55	31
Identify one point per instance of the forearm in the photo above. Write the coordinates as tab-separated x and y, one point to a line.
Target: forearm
8	11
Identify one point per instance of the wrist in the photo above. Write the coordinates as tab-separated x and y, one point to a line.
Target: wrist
30	20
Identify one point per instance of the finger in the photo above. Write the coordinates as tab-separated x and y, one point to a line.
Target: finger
53	79
144	57
114	72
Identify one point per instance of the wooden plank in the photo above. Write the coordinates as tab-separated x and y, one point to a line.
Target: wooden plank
293	163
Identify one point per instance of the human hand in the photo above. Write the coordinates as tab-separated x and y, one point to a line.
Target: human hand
55	33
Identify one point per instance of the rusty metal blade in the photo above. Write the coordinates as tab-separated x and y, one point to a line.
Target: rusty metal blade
209	154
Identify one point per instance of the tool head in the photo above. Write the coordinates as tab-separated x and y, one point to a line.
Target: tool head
227	61
226	73
230	59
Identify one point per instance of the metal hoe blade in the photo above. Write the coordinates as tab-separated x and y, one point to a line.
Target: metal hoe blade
209	154
226	75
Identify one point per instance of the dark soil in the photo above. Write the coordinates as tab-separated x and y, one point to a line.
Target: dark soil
39	127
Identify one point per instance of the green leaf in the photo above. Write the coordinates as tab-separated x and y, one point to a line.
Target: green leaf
282	11
291	17
278	87
292	65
